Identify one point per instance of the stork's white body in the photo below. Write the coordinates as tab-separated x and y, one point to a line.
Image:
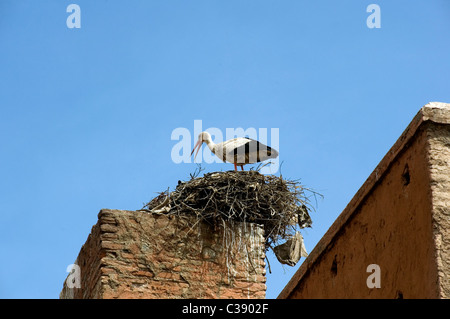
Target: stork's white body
239	151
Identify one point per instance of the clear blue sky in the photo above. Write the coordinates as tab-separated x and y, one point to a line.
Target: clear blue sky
86	114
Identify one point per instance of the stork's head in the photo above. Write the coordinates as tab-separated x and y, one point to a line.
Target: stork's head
202	137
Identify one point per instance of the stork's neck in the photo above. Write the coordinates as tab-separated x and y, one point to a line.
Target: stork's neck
210	143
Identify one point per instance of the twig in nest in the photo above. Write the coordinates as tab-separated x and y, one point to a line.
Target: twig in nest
197	171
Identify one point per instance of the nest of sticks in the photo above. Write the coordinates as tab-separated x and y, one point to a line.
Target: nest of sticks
280	205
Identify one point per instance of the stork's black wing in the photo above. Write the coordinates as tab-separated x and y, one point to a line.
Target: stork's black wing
254	151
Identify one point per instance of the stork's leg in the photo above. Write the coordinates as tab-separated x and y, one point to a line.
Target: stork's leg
235	167
242	167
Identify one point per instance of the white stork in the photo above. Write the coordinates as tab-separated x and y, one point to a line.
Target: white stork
239	151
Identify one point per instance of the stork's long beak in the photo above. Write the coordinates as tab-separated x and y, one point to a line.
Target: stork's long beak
199	145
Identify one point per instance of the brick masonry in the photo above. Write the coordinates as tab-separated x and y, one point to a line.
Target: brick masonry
399	220
132	254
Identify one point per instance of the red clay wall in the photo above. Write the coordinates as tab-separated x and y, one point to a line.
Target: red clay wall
132	254
398	220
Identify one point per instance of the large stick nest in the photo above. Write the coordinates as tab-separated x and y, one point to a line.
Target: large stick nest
278	204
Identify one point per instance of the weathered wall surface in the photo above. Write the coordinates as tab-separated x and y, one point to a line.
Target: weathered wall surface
439	163
133	254
398	220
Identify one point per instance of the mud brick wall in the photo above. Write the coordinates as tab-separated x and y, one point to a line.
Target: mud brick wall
438	137
132	254
399	220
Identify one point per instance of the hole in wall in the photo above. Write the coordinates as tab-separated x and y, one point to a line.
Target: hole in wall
406	178
399	295
334	266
